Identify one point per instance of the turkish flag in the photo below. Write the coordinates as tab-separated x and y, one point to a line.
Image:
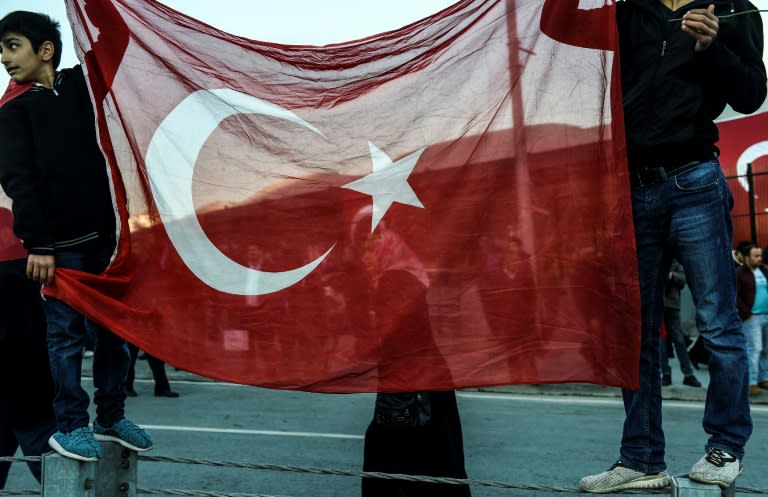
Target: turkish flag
435	207
744	141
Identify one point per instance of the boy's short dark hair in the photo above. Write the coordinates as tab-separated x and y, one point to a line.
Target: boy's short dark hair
37	28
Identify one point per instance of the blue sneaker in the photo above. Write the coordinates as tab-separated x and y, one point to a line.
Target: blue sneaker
78	444
126	434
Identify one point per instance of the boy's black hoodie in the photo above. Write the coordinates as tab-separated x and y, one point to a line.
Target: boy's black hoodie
52	168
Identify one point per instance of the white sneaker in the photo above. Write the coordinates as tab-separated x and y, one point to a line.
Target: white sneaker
717	467
620	477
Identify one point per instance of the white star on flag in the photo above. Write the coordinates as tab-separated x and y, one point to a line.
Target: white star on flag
388	183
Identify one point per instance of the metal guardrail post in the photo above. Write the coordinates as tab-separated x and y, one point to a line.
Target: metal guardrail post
115	475
683	487
65	477
116	472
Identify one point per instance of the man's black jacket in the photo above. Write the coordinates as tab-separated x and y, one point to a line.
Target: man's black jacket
671	94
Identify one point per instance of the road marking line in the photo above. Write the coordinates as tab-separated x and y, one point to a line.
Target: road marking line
196	382
236	431
565	399
549	399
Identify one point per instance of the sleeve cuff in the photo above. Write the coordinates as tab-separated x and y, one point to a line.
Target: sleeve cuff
46	250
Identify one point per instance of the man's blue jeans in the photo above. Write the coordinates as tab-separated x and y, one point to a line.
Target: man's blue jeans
66	338
687	217
756	332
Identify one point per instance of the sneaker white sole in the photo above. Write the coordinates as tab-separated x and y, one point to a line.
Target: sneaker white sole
699	477
64	452
661	480
127	445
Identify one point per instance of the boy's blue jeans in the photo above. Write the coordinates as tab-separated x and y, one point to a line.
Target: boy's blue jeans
687	217
66	338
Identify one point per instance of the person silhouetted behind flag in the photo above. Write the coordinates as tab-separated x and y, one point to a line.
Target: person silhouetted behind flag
26	387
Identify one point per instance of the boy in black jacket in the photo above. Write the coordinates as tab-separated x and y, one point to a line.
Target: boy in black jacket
53	170
682	61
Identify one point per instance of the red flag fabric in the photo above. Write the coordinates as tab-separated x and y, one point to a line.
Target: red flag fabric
435	207
10	246
13	90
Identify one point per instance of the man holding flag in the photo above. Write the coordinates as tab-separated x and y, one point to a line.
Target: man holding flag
682	61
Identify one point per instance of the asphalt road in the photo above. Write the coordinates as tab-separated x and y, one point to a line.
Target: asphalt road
548	440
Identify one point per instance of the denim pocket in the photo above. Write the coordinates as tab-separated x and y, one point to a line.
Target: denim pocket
699	179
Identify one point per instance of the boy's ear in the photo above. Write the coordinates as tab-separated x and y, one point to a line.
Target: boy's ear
46	51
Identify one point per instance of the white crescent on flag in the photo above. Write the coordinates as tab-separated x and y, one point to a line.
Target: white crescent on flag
747	157
170	162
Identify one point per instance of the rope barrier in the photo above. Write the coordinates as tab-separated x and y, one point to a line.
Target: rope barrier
199	493
195	493
333	472
394	476
21	459
370	474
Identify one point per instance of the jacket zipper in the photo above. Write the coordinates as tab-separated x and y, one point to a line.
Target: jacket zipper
39	87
